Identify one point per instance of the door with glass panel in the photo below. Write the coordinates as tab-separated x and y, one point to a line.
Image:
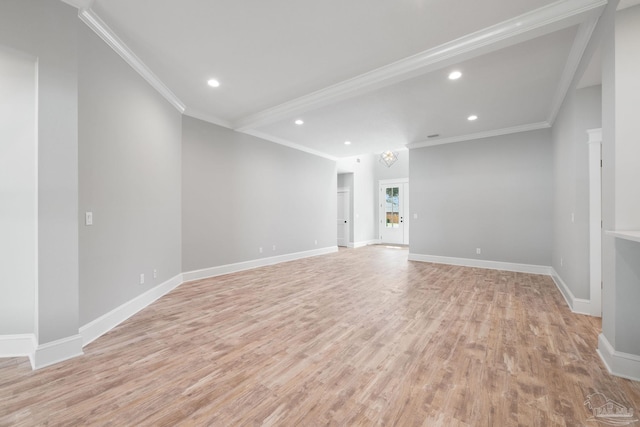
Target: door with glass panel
394	208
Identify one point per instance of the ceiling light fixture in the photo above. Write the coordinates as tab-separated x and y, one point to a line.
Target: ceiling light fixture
299	122
472	117
213	83
455	75
388	158
347	143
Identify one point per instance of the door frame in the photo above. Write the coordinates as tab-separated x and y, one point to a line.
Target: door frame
595	221
405	208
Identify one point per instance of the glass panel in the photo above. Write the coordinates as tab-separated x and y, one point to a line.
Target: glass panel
392	207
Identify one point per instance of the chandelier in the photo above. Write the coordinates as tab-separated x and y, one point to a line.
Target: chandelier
388	158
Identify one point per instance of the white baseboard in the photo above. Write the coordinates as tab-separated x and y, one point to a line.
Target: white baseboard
18	345
621	364
479	263
56	351
110	320
577	305
248	265
364	243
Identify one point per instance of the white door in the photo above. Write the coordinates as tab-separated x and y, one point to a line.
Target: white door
394	210
343	217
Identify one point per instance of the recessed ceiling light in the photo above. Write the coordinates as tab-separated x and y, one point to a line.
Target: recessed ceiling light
213	83
299	122
472	117
455	75
347	143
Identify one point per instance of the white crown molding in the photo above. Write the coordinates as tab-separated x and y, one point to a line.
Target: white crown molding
94	22
289	144
197	114
521	28
80	4
480	135
571	66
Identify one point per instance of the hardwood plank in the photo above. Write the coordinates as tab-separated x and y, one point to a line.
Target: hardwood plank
360	337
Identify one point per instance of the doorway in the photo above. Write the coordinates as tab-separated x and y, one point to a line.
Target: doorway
343	225
394	212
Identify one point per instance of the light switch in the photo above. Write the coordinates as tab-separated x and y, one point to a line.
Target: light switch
415	216
88	218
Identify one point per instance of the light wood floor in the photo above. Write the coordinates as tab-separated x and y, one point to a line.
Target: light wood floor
360	337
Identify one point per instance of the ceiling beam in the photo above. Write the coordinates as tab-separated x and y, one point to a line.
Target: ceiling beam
556	16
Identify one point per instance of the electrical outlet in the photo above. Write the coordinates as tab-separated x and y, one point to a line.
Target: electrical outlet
316	242
274	247
142	278
561	261
155	273
260	249
478	251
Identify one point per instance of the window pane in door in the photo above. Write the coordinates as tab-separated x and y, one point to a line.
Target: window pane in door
392	207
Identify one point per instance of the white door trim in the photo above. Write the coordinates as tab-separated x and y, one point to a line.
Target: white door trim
595	221
393	181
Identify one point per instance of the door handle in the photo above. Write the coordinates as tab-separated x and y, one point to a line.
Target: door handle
345	221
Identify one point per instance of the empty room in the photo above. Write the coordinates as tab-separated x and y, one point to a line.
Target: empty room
297	213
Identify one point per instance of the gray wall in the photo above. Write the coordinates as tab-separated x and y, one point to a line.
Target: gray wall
130	160
18	192
627	99
581	111
493	193
47	30
620	177
627	179
241	193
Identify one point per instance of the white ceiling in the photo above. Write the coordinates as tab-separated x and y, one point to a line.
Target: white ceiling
370	71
